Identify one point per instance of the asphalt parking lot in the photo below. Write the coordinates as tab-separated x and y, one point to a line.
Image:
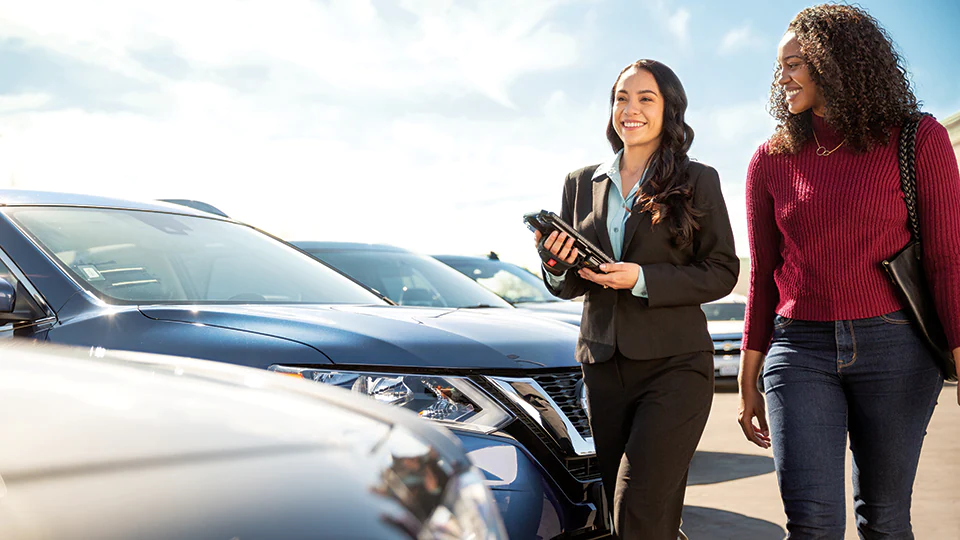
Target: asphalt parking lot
733	494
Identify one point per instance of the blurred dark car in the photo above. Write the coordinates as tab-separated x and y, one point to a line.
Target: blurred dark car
515	285
108	445
168	279
405	277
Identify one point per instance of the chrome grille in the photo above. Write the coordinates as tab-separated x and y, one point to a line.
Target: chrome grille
727	344
583	468
549	406
564	389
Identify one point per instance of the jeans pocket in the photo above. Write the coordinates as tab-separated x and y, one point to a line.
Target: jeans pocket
896	317
780	322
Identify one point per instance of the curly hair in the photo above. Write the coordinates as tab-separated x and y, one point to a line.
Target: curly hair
855	63
669	197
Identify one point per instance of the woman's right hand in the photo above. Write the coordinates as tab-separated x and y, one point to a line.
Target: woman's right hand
560	245
752	404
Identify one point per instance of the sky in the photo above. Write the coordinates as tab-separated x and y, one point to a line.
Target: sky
427	124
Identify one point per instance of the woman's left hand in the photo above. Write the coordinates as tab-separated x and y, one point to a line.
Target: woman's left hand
621	275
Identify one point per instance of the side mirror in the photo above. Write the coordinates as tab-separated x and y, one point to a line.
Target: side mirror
8	297
8	304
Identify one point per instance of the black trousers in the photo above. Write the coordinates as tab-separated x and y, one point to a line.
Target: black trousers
647	417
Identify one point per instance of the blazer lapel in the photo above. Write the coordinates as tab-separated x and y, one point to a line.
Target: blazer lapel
631	227
633	221
601	187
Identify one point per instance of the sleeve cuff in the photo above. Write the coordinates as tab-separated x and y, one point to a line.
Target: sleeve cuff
554	280
640	289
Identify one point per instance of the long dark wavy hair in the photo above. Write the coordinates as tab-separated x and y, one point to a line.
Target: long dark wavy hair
668	197
864	82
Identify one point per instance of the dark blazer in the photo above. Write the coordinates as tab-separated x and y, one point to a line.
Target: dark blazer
669	322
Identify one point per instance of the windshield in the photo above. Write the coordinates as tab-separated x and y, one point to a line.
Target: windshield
510	282
724	312
134	257
410	279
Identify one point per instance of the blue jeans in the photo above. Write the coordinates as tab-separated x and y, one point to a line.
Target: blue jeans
872	379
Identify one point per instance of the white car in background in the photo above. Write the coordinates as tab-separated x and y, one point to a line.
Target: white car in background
725	322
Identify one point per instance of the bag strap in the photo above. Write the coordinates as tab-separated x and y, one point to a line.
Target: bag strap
908	172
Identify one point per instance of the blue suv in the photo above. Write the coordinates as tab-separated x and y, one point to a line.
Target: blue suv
163	278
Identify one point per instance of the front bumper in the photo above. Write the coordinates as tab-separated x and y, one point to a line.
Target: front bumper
530	501
726	365
726	354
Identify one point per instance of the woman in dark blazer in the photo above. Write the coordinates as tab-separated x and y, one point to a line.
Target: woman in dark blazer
647	356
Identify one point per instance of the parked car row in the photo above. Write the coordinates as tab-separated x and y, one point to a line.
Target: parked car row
515	285
114	275
412	279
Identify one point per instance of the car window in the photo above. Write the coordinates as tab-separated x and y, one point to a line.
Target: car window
717	311
510	282
410	279
131	256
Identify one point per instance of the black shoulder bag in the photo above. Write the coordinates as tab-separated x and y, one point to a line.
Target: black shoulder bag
906	267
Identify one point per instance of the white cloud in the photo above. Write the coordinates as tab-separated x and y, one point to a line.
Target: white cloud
678	23
450	49
676	20
22	102
308	152
405	181
738	39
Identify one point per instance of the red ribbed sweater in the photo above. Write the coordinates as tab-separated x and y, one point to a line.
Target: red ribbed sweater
820	226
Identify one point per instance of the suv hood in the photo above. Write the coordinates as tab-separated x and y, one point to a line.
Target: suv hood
117	409
476	339
564	311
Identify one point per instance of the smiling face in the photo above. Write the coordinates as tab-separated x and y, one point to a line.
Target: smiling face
802	92
637	114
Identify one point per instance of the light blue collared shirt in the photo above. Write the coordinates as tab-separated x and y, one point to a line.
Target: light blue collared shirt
617	215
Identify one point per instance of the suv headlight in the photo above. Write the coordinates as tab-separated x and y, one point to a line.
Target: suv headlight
446	499
468	511
455	401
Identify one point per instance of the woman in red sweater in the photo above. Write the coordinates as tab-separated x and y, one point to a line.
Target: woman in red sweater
824	208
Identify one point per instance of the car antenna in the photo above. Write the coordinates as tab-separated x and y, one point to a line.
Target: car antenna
493	256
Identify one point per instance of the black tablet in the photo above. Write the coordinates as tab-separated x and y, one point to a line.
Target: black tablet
589	256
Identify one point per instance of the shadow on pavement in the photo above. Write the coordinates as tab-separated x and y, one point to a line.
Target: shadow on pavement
716	467
701	523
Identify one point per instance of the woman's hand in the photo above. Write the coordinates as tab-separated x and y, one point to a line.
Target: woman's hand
560	245
752	404
621	275
956	363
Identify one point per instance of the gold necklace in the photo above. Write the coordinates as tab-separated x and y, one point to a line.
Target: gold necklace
822	150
